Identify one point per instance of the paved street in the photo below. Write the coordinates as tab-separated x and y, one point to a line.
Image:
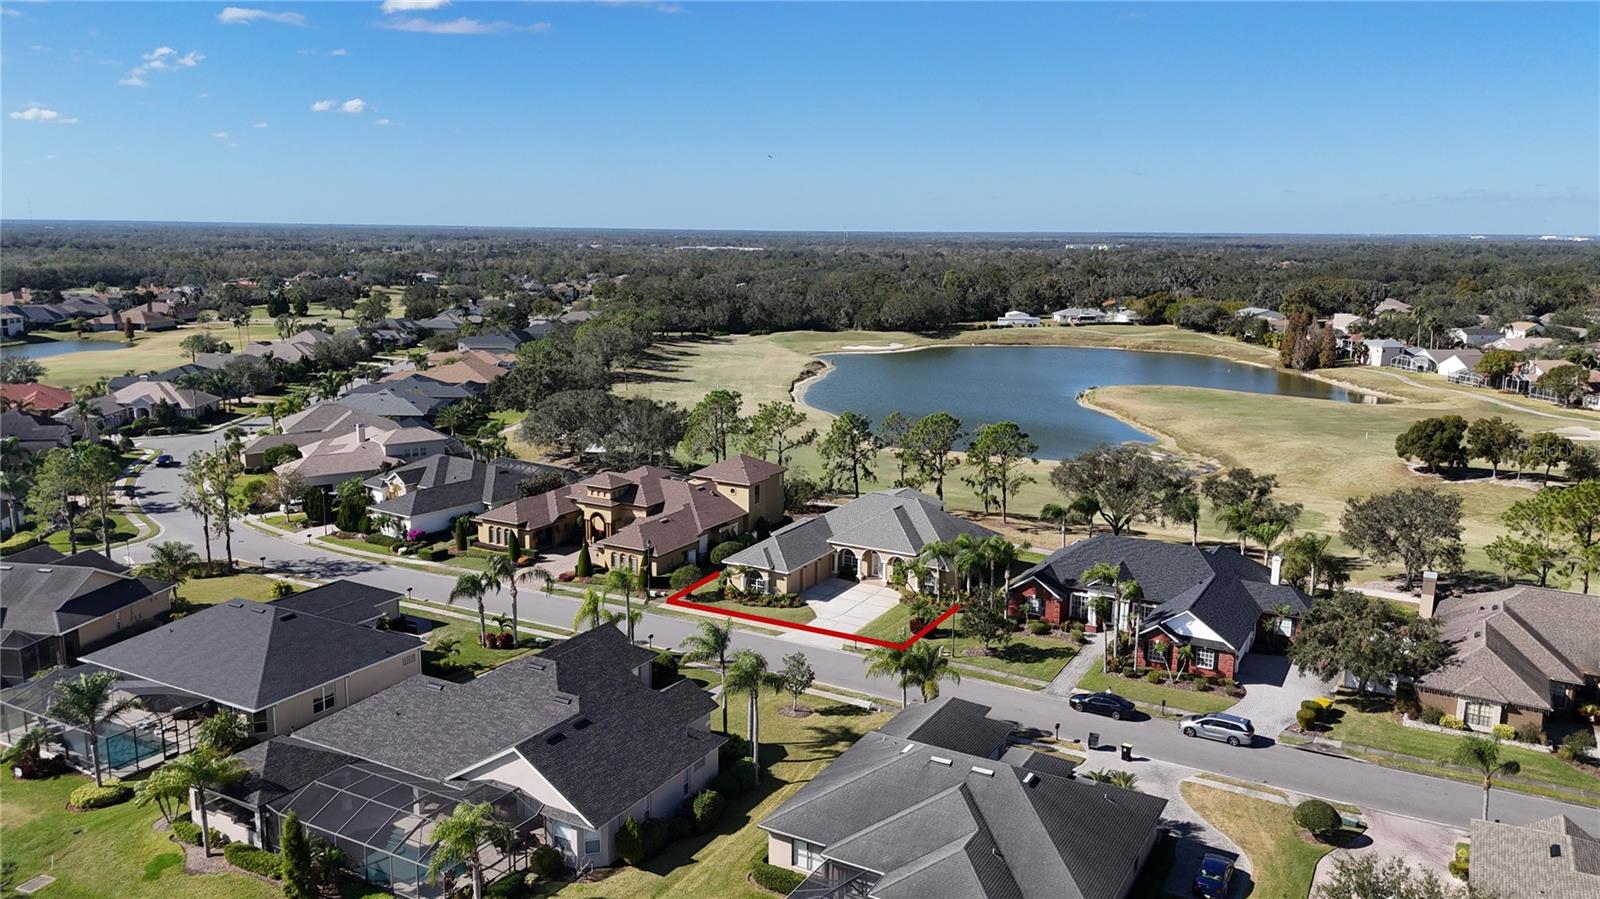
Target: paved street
1368	786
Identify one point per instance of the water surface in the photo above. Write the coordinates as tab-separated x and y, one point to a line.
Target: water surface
48	348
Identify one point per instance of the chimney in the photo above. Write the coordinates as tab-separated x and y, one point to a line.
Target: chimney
361	433
1428	603
1277	570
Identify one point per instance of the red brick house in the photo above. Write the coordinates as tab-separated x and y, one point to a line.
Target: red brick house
1212	599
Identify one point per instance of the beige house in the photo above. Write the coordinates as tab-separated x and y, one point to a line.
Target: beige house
362	451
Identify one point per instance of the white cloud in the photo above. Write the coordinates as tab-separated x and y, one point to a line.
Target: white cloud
9	11
322	106
394	6
161	59
221	135
382	122
259	125
235	15
354	107
338	51
462	25
43	115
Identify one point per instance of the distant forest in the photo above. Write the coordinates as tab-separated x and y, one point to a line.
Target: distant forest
788	281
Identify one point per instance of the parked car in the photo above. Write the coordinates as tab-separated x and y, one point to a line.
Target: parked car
164	460
1109	704
1214	877
1230	729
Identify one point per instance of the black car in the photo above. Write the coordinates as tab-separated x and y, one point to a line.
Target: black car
1214	876
1109	704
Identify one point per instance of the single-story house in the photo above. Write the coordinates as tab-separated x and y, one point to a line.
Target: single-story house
1210	598
475	368
1520	344
575	739
499	342
1015	319
349	601
1473	336
54	607
34	433
281	668
865	538
1521	329
35	397
362	451
1383	351
1553	857
292	349
1261	312
1392	305
391	332
140	399
896	817
1345	323
1459	366
447	322
1526	655
139	317
1076	315
412	396
646	512
1118	314
316	423
428	495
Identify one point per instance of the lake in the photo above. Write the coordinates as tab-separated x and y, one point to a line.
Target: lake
1034	386
49	348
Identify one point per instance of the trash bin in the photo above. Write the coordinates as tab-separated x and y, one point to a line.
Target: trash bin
1127	752
1094	740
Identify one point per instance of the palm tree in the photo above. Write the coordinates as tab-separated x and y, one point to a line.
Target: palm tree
926	666
206	769
1482	755
543	574
327	385
84	410
1106	575
196	496
472	587
460	838
1267	533
593	610
997	554
1085	508
890	661
1058	515
1124	779
85	703
619	579
1311	550
1237	520
749	675
1185	655
710	643
170	560
24	752
501	572
1184	508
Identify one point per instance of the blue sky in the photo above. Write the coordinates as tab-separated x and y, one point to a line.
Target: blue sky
1416	118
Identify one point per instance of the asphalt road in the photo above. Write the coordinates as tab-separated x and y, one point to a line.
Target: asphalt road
1368	786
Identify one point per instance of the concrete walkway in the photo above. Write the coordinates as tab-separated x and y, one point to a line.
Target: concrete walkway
1424	845
1066	682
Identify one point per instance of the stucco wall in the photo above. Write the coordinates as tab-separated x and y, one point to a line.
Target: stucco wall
131	618
297	711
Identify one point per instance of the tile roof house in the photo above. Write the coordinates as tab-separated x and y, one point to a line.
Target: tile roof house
897	818
1391	305
319	422
646	511
1522	656
282	668
412	396
477	367
54	607
292	349
1552	858
36	397
362	451
577	729
34	433
428	495
863	538
1211	598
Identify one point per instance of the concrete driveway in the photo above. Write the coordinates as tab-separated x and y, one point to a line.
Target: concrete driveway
1424	845
1273	692
848	606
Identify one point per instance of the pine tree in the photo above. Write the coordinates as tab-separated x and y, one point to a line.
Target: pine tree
584	566
299	879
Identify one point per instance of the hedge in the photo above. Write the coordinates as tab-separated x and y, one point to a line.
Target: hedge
771	877
90	796
189	832
683	576
736	779
725	549
256	861
545	861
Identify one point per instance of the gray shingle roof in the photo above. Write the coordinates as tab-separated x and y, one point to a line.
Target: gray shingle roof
1511	644
951	723
348	601
280	766
1549	859
49	596
1224	590
900	521
251	655
448	482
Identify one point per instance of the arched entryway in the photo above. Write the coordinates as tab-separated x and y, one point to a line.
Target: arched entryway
846	563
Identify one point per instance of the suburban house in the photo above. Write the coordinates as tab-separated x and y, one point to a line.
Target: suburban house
476	368
361	451
280	667
1077	315
1460	366
1521	329
1527	655
1261	312
1552	857
34	433
448	322
1392	306
1015	319
1520	344
499	342
1345	323
899	817
865	538
391	332
645	512
317	423
296	348
348	601
428	495
36	397
412	396
567	744
139	317
54	607
13	324
1383	351
139	399
1118	314
1473	336
1212	598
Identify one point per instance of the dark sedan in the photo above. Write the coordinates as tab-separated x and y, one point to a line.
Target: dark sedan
1214	876
1108	704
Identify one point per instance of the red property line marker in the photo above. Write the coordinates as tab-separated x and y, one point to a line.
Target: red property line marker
677	599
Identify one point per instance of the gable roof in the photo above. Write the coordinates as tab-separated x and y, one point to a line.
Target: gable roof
33	429
901	521
46	593
280	766
447	482
251	655
1512	644
952	723
1545	859
349	601
1224	590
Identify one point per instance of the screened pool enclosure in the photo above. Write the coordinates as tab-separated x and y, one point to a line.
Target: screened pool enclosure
160	727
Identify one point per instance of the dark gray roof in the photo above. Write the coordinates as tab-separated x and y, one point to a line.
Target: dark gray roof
33	431
954	724
935	822
448	482
1224	590
251	655
634	740
349	601
416	397
48	596
901	521
280	766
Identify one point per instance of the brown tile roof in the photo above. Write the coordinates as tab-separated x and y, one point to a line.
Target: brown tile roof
741	470
38	397
534	512
689	511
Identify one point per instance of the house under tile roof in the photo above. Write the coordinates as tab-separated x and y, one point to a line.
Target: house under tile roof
43	592
1511	645
446	482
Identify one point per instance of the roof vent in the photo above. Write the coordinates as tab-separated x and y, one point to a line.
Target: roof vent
46	570
1555	850
581	723
986	772
536	665
1029	778
564	700
908	747
940	760
5	567
287	616
555	738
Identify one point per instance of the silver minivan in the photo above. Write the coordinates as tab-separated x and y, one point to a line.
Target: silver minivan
1230	729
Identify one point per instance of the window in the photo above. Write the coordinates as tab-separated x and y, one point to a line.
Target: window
261	722
1156	652
1035	605
1205	658
686	781
591	843
756	493
1482	715
807	856
325	699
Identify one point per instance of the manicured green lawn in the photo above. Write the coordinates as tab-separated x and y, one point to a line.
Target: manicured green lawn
1373	726
1040	658
1095	679
793	750
457	642
101	853
802	615
122	531
212	590
1281	862
296	520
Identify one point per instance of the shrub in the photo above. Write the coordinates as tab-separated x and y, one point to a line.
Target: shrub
1228	684
1431	715
566	577
545	861
771	877
189	832
1311	705
1460	865
1306	718
256	861
584	566
1204	683
770	600
90	796
1039	627
1318	817
1452	722
1576	744
1115	664
630	841
680	827
383	540
657	832
1503	732
281	589
734	749
1530	733
706	810
745	772
1155	676
683	576
725	549
664	667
